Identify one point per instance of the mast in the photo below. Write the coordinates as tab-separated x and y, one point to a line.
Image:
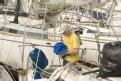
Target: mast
2	1
111	12
17	10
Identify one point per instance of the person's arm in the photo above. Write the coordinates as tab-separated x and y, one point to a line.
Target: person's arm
74	51
76	46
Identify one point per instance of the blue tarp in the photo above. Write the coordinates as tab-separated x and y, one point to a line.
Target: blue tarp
60	48
42	61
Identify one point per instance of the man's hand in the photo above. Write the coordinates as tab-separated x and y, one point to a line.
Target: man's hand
68	54
64	55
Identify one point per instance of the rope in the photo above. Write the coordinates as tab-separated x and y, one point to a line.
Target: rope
3	27
35	70
3	31
68	68
39	67
25	33
2	40
11	73
8	69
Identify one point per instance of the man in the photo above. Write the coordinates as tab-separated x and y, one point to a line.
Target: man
72	42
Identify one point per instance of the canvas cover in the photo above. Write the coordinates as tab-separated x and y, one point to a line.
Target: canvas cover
111	60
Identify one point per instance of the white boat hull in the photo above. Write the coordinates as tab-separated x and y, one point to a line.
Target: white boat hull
11	50
92	49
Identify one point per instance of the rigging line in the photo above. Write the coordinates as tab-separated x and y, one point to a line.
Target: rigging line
77	10
30	22
10	73
83	15
43	27
35	70
29	59
28	19
87	16
115	33
11	68
44	19
8	69
21	9
79	14
60	60
38	19
12	43
110	17
97	39
3	31
27	43
66	73
90	8
67	68
45	14
4	24
24	39
35	12
71	19
60	16
60	23
36	67
60	4
45	11
33	45
111	9
17	6
93	63
60	7
116	26
11	48
98	42
57	71
53	60
27	66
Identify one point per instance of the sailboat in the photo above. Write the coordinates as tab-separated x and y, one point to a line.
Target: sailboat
15	44
18	40
96	28
93	39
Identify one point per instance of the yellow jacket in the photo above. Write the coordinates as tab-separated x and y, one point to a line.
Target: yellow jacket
72	42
